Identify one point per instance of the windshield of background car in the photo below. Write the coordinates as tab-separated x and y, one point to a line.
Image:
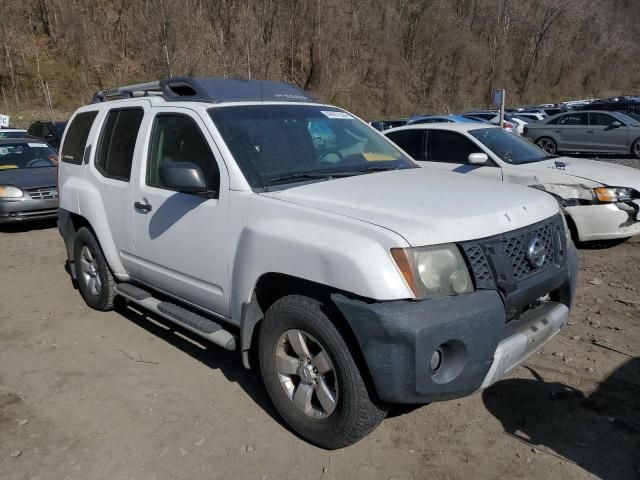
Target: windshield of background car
26	155
280	144
509	147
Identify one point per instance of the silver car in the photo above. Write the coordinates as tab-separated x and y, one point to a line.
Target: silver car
587	131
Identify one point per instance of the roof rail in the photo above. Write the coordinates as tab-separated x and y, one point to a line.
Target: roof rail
210	90
127	91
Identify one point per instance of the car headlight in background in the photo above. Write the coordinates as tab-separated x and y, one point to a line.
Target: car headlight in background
9	191
432	272
612	194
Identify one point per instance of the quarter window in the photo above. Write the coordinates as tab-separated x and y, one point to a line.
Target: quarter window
73	149
117	142
449	147
177	138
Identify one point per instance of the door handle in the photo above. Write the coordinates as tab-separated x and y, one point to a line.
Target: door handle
591	131
557	130
143	206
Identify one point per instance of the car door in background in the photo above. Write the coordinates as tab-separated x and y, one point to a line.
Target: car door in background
450	151
571	131
604	135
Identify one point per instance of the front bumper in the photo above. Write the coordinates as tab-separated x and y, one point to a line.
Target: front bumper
398	339
25	209
603	222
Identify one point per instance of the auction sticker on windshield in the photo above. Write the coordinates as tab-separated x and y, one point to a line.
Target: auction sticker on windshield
37	145
341	115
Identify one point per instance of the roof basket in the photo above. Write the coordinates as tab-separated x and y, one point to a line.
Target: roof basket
210	90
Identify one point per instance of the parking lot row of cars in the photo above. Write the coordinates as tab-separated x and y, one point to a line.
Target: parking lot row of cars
354	268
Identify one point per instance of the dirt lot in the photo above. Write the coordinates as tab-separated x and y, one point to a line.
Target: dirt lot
88	395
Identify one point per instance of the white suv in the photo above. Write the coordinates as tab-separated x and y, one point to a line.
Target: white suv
266	222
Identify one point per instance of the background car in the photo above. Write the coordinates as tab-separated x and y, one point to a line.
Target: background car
587	131
386	124
600	200
50	132
28	180
442	119
532	117
12	133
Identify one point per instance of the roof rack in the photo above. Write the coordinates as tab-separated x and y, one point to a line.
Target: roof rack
209	90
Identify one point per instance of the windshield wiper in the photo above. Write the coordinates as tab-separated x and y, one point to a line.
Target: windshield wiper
295	176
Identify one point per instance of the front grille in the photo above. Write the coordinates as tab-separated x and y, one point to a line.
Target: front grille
47	193
503	258
516	248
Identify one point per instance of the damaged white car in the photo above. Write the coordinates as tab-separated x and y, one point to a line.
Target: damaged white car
601	201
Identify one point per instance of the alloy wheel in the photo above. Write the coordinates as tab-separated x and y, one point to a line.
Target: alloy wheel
90	275
306	374
547	145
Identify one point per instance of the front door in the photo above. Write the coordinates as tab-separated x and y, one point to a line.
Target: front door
450	151
606	137
181	239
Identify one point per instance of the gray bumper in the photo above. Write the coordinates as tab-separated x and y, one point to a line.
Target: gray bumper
25	209
537	330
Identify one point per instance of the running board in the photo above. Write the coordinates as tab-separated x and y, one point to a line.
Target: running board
194	322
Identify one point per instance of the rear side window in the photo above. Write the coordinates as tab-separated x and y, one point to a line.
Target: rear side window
74	144
411	141
572	119
117	142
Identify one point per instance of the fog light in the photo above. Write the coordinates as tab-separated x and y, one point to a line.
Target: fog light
436	360
460	282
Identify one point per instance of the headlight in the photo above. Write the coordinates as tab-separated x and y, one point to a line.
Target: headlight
436	271
9	191
612	194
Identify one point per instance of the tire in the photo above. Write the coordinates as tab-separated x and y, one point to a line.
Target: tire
635	148
95	281
354	414
548	145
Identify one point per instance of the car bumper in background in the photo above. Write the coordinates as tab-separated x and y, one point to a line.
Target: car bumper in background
26	209
603	222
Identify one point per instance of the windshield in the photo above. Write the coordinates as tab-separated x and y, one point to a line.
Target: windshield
26	155
509	147
630	118
280	144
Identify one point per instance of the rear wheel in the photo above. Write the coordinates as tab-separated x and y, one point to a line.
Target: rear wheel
95	282
548	145
635	148
312	378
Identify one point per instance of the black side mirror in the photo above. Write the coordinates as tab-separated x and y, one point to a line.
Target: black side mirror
183	177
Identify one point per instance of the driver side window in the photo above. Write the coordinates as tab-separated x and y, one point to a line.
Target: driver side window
177	138
449	147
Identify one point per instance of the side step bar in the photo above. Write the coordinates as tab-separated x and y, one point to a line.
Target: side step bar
198	324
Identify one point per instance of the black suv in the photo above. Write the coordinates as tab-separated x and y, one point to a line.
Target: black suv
50	132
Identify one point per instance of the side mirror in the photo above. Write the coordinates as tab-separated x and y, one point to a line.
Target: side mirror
183	177
616	124
478	159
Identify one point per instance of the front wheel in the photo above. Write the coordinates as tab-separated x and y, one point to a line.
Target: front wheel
548	145
635	148
311	377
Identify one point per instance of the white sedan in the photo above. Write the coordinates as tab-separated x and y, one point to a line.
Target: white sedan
600	200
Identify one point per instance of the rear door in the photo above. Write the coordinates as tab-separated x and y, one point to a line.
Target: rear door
571	132
604	136
181	239
447	150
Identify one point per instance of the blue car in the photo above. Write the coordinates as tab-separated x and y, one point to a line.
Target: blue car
442	119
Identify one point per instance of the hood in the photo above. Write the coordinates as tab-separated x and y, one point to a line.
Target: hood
27	178
427	206
600	172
